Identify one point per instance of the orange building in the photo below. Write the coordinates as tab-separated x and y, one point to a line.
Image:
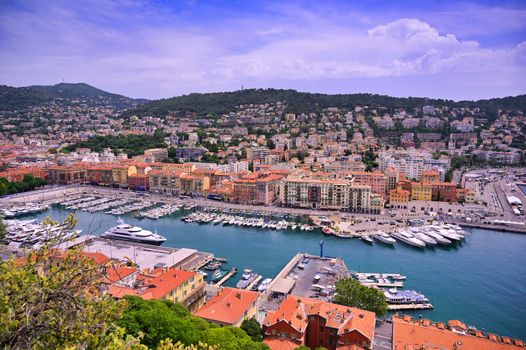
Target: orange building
66	175
139	182
186	287
17	174
399	198
377	180
444	191
304	321
430	176
230	307
409	334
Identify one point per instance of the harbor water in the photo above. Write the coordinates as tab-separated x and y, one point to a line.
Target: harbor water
481	281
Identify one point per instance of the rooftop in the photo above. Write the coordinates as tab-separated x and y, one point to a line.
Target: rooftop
228	306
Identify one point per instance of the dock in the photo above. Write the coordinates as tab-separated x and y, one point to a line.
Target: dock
225	278
394	307
384	285
254	282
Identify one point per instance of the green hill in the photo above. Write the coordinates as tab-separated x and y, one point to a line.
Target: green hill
224	102
12	98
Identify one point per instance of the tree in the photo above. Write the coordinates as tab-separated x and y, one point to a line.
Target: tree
49	302
253	329
3	231
271	144
302	347
350	292
251	166
159	320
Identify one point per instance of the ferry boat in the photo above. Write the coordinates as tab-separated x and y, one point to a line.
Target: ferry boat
126	232
408	238
395	296
384	237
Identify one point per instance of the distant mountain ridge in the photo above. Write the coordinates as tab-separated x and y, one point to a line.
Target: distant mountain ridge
298	102
13	98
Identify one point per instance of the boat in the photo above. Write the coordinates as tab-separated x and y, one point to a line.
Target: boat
395	296
212	265
384	237
218	274
425	238
126	232
264	285
451	235
408	239
440	239
367	239
248	277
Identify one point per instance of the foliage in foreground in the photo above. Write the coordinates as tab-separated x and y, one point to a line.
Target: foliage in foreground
51	300
350	292
162	319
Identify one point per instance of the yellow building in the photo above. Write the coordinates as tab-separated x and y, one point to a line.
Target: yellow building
399	198
179	286
120	173
421	191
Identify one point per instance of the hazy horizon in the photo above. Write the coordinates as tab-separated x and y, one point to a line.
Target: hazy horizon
466	50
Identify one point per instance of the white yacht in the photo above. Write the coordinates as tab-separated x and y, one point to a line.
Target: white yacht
131	233
408	238
384	237
440	239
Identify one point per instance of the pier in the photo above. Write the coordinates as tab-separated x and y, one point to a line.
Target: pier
396	307
254	282
226	277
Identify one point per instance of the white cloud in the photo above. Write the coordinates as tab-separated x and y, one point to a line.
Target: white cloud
156	53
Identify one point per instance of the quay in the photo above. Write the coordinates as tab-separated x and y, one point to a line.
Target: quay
51	194
396	307
226	277
142	255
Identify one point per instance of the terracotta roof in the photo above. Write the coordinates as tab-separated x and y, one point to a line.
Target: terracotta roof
115	274
295	310
120	291
228	306
409	334
163	283
277	343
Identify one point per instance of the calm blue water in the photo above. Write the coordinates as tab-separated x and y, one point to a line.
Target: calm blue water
482	281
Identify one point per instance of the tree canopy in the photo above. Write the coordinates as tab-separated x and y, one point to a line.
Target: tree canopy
28	183
350	292
132	145
162	319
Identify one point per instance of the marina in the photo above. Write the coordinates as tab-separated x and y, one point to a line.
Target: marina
477	265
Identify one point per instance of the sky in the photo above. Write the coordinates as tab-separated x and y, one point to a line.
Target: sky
158	49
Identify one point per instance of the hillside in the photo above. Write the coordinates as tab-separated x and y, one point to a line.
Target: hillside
12	98
224	102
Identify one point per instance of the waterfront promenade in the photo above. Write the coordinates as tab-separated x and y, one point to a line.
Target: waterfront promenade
369	222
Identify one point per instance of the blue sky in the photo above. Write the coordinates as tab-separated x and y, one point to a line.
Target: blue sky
157	49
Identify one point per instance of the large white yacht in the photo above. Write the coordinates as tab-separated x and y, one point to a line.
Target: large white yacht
131	233
408	238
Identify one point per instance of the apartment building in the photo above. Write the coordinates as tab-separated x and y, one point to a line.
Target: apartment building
165	181
325	194
66	175
230	307
421	191
314	323
185	287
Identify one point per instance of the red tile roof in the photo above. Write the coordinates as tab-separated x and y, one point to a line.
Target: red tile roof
228	306
410	334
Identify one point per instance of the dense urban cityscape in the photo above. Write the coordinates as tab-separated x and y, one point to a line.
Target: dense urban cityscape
260	218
